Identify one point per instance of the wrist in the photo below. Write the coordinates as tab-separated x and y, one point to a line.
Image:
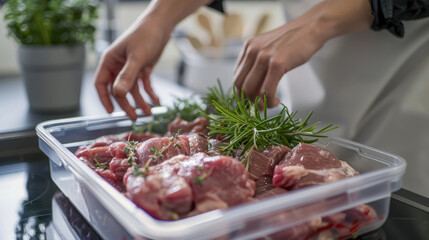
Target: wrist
167	14
340	17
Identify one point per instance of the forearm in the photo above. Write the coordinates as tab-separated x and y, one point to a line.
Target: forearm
339	17
168	13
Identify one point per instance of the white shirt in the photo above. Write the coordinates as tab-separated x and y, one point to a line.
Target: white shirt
373	85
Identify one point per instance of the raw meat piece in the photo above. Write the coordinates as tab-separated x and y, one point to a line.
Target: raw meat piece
116	149
128	136
90	155
344	224
119	166
147	150
187	185
262	162
224	182
197	143
109	161
263	184
99	159
363	214
109	146
162	193
261	167
110	178
308	165
199	125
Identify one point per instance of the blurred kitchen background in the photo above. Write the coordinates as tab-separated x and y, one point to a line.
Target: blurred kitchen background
124	13
190	60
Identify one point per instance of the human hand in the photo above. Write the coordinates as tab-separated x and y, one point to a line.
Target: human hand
265	58
133	55
129	59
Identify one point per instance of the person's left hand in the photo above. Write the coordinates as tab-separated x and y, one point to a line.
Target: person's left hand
265	58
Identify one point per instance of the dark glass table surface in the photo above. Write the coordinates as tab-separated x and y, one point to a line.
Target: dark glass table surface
28	193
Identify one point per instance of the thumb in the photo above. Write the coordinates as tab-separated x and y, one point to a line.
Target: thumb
126	78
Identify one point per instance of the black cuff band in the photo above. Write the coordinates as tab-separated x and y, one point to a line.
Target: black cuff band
217	5
382	10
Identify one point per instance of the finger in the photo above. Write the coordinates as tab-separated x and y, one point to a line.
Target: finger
256	76
126	78
140	102
148	86
241	55
128	109
271	81
102	80
245	67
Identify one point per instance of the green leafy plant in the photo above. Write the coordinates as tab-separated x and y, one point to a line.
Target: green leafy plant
51	22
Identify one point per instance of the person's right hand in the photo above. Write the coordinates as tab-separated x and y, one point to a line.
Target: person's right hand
133	55
129	59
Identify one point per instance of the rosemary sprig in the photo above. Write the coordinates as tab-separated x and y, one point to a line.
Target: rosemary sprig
245	128
216	93
129	150
186	108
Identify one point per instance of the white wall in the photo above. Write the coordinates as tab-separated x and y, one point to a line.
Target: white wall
127	12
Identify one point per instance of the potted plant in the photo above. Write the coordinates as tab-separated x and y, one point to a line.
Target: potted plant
51	37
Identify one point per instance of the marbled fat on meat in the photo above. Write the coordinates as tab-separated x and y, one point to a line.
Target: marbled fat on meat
308	165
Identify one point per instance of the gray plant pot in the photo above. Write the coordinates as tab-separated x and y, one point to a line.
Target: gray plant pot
53	76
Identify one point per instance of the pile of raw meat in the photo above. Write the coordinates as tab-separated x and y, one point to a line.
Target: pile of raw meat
177	176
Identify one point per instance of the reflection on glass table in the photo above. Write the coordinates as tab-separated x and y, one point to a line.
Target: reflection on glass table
67	223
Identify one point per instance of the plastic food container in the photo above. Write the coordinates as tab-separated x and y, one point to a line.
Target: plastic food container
114	216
